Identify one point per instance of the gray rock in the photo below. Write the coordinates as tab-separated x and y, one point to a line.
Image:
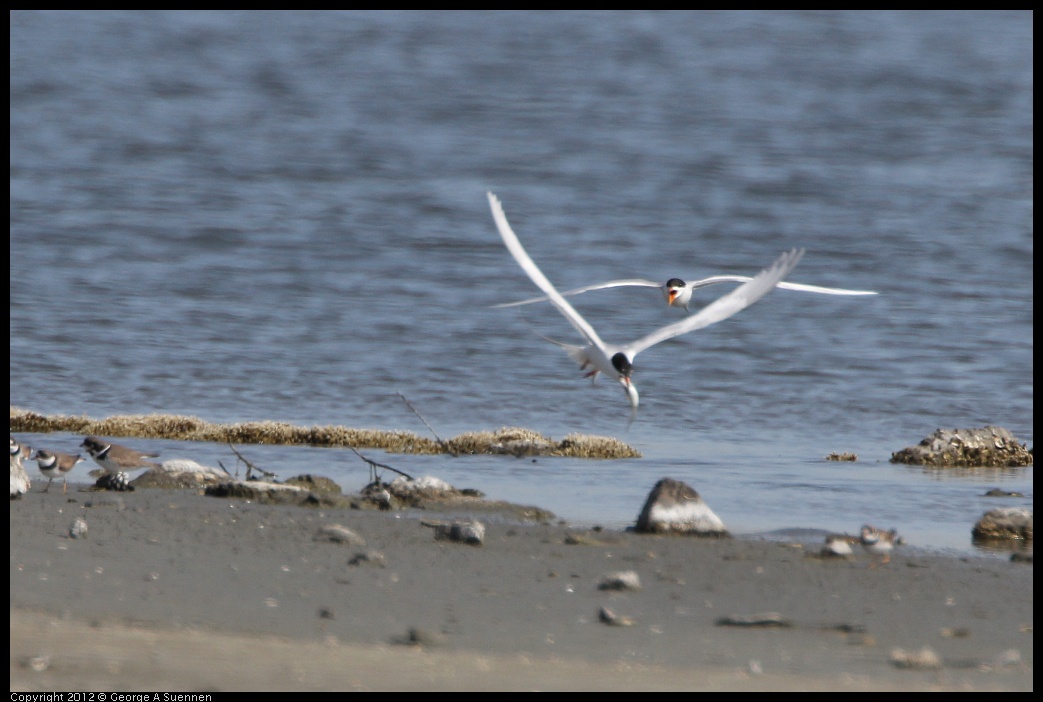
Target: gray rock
315	483
259	490
997	492
426	487
1006	523
180	473
470	532
674	507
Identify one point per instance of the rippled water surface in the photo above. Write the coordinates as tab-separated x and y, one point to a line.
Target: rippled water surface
246	216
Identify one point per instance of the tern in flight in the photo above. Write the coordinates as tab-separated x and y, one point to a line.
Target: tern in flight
678	293
617	361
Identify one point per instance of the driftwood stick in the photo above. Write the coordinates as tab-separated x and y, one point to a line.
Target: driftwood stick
441	443
226	470
249	466
374	465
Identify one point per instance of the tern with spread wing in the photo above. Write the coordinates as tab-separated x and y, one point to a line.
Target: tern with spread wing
617	361
678	293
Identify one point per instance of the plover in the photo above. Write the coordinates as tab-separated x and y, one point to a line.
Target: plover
115	458
879	542
54	464
19	478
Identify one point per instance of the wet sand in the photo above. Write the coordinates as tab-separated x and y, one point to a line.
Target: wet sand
176	591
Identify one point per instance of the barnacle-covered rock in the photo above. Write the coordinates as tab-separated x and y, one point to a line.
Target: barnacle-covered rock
988	447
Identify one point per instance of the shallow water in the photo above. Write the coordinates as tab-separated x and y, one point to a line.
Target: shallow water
247	216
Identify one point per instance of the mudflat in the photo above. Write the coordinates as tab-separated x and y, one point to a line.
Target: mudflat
172	590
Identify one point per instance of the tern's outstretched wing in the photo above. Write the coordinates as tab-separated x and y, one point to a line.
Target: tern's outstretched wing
712	280
723	307
626	283
801	287
530	268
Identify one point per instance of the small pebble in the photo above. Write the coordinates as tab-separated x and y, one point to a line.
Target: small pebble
424	637
1009	658
472	532
78	530
373	558
607	616
39	664
340	535
924	659
623	580
765	619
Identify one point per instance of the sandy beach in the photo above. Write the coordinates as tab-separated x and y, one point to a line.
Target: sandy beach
172	590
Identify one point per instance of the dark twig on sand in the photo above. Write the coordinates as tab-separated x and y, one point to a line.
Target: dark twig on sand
250	466
374	465
441	443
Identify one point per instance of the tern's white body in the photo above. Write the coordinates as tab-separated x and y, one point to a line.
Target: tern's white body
616	361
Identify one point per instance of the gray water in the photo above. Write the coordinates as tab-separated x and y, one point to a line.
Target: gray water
250	215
